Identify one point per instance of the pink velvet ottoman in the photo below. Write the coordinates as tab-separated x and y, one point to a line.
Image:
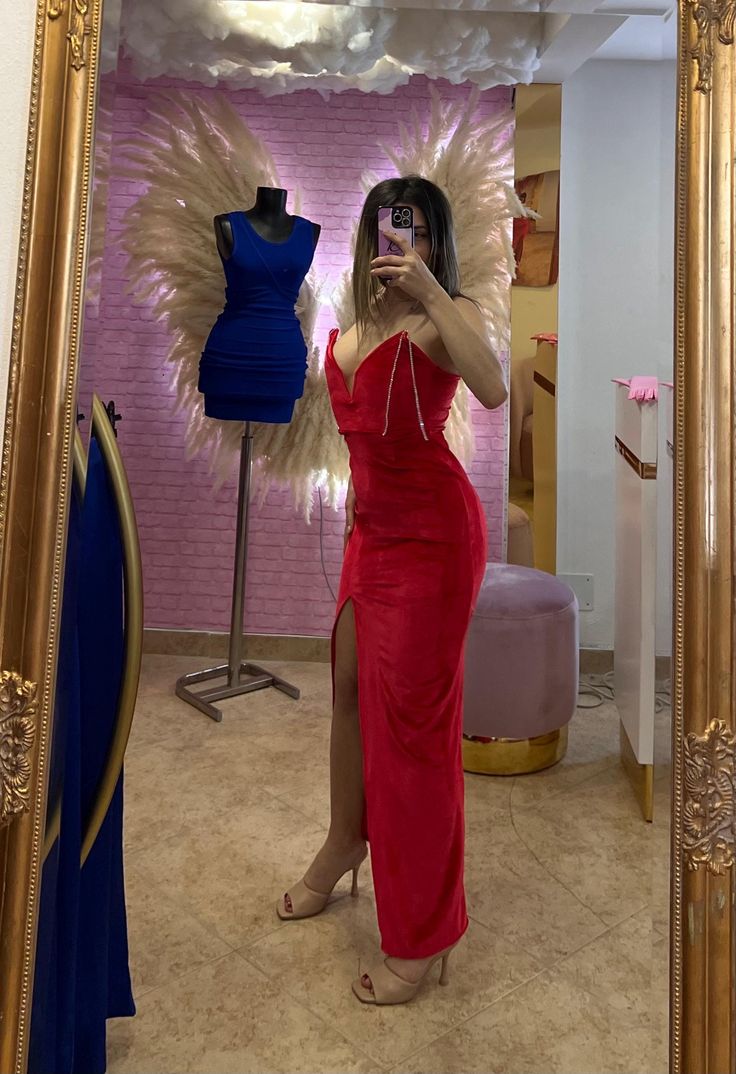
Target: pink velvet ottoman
521	672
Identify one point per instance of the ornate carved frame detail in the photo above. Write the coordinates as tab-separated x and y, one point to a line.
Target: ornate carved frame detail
79	30
709	809
715	22
17	734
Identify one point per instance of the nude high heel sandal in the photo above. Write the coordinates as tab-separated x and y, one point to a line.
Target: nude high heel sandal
388	988
305	902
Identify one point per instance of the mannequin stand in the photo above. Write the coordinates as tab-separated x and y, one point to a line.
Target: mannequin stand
241	677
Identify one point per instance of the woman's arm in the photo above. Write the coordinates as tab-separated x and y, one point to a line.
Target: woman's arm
462	330
349	513
457	320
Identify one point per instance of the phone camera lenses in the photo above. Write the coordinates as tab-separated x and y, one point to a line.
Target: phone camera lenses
401	217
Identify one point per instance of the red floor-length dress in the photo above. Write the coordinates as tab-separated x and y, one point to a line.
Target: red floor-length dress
413	568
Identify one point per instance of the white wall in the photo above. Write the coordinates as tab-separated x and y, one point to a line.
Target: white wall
15	84
615	301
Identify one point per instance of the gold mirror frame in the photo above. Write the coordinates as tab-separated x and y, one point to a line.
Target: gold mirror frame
36	473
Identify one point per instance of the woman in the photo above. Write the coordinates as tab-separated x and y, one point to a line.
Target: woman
415	553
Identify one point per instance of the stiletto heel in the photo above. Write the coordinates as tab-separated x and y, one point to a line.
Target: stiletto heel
388	988
305	902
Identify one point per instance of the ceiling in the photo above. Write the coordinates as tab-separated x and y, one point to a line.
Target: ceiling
642	38
377	45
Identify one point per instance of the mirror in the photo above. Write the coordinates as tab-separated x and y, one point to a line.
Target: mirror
503	584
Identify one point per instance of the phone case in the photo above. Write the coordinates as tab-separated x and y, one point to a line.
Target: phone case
400	218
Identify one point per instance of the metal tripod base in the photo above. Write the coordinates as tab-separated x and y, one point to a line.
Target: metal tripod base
257	679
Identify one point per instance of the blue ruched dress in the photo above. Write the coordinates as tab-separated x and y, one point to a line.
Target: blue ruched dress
254	361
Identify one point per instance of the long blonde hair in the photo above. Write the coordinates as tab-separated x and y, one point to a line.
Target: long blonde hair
442	262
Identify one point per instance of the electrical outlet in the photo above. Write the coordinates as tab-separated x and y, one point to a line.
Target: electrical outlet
582	587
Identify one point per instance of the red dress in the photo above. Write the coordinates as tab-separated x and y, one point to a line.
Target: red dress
413	568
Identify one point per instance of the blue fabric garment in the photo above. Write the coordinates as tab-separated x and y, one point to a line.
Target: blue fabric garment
254	361
103	976
82	976
51	1045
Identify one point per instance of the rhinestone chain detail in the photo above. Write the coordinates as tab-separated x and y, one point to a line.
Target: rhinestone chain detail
420	419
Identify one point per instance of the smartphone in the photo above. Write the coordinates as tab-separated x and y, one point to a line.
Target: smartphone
399	218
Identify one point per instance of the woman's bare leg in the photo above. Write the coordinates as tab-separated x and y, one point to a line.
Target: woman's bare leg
344	839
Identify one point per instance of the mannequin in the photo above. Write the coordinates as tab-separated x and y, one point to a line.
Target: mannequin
253	368
253	364
268	216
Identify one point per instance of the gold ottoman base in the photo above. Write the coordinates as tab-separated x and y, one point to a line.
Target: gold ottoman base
514	756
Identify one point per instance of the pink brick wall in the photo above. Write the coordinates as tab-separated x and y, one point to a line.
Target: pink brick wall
186	529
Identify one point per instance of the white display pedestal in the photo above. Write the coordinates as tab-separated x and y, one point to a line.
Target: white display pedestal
635	591
545	457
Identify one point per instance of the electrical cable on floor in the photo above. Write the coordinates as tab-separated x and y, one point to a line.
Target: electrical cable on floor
596	690
321	545
662	695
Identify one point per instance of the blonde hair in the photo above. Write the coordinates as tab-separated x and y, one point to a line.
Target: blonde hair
442	261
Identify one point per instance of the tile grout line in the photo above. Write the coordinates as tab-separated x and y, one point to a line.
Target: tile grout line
187	973
295	809
462	1022
608	929
185	907
522	984
574	951
141	994
543	866
564	790
152	885
305	1006
551	875
238	952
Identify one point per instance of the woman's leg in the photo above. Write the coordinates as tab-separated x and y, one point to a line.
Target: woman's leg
346	751
344	839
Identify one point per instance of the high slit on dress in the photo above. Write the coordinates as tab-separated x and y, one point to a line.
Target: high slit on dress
412	569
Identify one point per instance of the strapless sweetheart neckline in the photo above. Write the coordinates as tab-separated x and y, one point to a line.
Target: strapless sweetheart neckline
334	335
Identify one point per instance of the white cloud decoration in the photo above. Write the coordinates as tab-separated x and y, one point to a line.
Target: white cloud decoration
281	47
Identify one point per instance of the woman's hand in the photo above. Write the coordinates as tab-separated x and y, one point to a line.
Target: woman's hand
349	513
408	272
458	321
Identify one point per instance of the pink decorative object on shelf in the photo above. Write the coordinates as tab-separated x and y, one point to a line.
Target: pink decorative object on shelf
546	337
643	389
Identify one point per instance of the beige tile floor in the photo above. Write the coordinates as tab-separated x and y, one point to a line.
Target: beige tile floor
564	968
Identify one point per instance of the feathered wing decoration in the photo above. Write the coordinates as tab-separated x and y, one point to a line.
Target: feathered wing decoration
471	159
100	191
195	158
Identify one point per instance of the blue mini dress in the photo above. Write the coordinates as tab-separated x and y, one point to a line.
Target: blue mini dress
253	364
